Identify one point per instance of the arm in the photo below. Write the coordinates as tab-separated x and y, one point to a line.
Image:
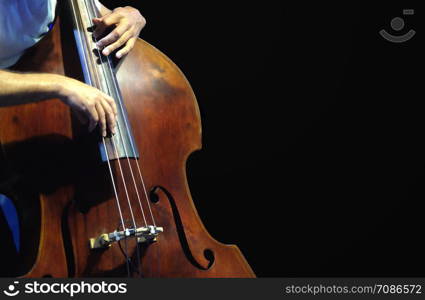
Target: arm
88	102
18	88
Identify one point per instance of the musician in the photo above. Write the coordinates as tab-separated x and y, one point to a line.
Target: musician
23	23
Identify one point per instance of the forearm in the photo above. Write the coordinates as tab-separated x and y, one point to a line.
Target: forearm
18	88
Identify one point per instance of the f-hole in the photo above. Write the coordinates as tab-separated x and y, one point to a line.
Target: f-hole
208	253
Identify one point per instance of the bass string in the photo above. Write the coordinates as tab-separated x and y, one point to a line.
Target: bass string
137	161
117	156
132	216
114	185
135	185
90	81
119	130
103	139
140	175
127	129
111	172
133	178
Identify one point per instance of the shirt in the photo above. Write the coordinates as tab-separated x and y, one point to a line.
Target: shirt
22	24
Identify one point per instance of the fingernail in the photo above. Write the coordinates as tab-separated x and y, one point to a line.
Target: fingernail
99	44
105	52
119	55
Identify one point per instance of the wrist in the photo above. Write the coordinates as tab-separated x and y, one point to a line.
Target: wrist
56	86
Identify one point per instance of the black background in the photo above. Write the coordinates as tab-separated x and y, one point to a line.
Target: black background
313	152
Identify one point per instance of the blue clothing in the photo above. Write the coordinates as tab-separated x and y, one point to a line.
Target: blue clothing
22	24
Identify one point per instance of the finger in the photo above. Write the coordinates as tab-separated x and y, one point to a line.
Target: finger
130	45
114	35
112	103
109	111
99	27
111	119
93	117
121	41
103	23
102	118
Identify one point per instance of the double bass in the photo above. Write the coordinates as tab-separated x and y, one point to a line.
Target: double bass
115	206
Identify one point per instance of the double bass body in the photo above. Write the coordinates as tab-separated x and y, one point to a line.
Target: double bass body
69	191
